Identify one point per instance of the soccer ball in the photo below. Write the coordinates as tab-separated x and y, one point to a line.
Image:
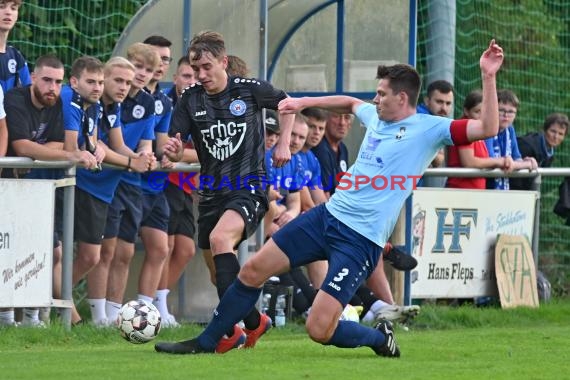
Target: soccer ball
139	321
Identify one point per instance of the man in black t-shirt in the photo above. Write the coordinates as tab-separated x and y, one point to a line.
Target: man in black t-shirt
223	116
34	118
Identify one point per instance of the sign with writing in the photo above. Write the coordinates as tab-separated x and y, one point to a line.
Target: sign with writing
453	236
26	242
516	273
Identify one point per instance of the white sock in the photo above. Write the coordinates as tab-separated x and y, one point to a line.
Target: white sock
160	301
369	317
144	298
31	314
45	314
98	313
7	317
376	306
112	310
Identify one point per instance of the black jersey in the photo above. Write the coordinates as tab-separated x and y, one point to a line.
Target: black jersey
25	121
227	131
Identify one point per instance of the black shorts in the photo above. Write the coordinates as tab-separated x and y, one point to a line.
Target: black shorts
181	220
125	213
90	217
155	211
251	206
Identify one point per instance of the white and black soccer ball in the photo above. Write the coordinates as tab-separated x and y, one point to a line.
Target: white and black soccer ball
139	321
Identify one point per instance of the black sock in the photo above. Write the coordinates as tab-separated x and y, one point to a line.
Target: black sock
300	302
368	298
356	301
304	284
252	320
227	269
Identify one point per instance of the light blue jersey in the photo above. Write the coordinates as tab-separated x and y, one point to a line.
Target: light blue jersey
391	159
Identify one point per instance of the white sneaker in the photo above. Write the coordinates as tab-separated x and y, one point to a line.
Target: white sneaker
397	312
11	323
45	314
35	323
104	323
169	322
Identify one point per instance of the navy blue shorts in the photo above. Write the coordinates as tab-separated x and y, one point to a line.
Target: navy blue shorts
317	235
125	213
156	211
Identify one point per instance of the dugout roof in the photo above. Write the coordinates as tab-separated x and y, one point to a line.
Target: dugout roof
297	44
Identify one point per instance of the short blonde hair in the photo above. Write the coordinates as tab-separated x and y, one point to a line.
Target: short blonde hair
119	62
144	52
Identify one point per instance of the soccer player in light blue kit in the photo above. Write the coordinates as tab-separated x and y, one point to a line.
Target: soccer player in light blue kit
350	230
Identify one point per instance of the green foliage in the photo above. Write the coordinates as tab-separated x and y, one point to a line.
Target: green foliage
71	28
533	54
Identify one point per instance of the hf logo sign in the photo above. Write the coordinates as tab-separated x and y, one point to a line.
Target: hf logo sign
462	220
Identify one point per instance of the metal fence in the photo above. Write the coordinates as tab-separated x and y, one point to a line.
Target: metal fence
244	252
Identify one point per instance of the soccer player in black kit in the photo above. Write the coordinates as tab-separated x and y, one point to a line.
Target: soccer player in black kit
222	115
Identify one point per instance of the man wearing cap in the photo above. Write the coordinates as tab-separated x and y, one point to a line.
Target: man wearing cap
271	123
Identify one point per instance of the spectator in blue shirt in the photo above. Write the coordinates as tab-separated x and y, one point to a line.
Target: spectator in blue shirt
125	211
288	180
505	143
312	194
118	76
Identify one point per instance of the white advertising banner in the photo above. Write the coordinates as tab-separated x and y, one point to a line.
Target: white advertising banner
453	237
26	242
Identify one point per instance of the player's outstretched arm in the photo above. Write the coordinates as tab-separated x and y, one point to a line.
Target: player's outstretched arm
335	103
490	63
